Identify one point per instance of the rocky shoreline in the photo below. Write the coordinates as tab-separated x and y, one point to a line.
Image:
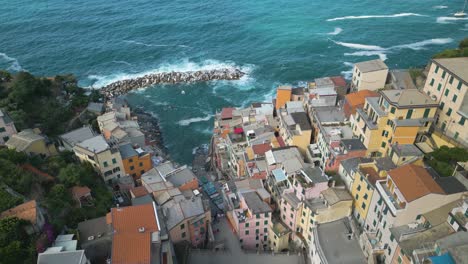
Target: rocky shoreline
124	86
150	127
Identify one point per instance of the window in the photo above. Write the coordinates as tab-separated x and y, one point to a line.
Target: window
359	187
265	229
374	223
247	224
357	196
114	161
257	223
182	226
409	113
456	135
439	87
257	216
392	109
366	196
105	164
459	85
432	82
449	112
462	121
141	164
392	237
241	240
292	216
389	251
437	68
183	235
363	205
443	74
265	238
447	91
426	112
454	98
383	144
2	129
132	168
5	139
130	160
375	209
451	80
266	214
257	231
383	133
246	232
266	222
441	106
384	224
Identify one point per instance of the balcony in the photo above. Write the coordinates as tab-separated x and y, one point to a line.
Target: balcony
387	196
369	122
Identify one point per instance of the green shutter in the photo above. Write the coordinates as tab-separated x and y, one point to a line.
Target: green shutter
392	110
432	82
447	91
426	112
459	85
409	113
449	112
437	69
462	121
454	98
439	87
451	80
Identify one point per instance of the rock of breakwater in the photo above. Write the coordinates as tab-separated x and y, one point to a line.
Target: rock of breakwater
124	86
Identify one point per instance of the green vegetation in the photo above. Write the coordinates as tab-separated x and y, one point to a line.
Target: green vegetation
16	246
443	160
462	51
8	201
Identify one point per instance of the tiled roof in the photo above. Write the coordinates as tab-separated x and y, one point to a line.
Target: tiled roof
358	98
129	244
414	182
26	211
80	191
260	149
338	81
226	113
139	191
23	139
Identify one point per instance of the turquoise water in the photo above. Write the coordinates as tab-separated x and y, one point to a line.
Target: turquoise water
276	42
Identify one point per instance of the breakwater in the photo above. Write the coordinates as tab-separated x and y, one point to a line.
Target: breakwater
124	86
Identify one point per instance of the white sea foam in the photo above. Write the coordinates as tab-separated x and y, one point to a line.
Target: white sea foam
122	62
153	45
182	66
335	32
374	16
382	55
358	46
422	44
186	122
14	63
440	7
448	20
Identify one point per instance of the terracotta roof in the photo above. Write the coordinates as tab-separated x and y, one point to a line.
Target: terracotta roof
129	245
338	81
36	171
358	98
372	175
260	149
139	191
226	113
26	211
80	191
260	175
414	182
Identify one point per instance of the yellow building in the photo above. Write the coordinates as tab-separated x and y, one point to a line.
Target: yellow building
31	143
295	129
363	186
447	84
404	154
278	237
396	117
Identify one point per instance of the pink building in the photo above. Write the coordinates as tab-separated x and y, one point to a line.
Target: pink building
305	185
252	221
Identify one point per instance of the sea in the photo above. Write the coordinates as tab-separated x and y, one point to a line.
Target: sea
274	41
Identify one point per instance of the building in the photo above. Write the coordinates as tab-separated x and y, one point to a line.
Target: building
7	127
63	250
447	84
29	211
369	75
348	168
356	100
70	139
404	154
31	143
398	116
95	108
407	192
278	237
295	128
251	221
283	95
334	242
135	161
82	195
95	237
136	234
119	126
104	157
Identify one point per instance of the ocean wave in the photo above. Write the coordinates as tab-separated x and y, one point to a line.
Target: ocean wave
153	45
122	62
14	63
348	74
358	46
186	122
448	20
382	55
374	16
440	7
185	65
335	32
422	44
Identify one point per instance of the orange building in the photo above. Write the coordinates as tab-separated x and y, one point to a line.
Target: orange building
283	95
135	161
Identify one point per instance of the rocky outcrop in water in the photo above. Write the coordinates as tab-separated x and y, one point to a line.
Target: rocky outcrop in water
124	86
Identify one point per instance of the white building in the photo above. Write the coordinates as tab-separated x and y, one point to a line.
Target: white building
370	75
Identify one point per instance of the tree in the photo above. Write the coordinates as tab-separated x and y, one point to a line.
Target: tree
463	44
15	244
8	201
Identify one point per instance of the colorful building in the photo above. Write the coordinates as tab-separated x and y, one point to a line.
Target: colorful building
447	84
135	161
369	75
356	100
283	95
32	143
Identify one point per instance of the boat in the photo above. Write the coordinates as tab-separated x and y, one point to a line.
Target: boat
462	12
